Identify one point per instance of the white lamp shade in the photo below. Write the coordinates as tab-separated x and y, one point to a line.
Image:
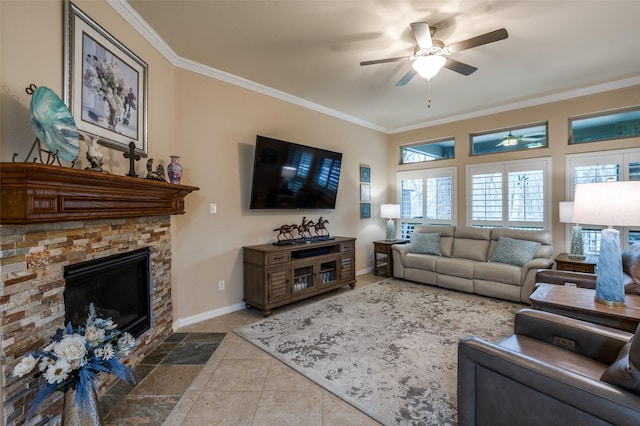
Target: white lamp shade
390	211
566	211
428	66
607	203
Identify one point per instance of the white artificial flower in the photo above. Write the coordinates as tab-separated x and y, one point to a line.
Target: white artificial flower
108	351
25	366
98	353
126	343
71	347
94	335
57	372
45	362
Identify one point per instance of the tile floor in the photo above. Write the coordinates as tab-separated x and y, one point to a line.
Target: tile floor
239	384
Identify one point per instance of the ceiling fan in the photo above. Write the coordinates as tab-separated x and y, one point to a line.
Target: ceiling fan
431	55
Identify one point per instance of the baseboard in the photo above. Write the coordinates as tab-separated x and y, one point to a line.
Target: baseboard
182	322
364	271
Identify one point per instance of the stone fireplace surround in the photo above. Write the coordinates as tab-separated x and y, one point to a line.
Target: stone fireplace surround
33	255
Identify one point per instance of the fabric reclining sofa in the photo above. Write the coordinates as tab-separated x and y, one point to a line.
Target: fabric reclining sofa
499	262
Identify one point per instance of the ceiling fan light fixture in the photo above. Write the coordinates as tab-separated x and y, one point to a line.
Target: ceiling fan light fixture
510	140
428	66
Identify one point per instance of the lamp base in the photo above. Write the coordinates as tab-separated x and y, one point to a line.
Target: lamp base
576	243
607	302
391	231
609	280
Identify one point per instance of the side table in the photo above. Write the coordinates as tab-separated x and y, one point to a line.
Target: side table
382	257
566	263
579	303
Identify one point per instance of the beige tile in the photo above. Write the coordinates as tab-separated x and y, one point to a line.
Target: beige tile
239	375
282	377
290	408
167	380
223	408
182	408
337	412
241	349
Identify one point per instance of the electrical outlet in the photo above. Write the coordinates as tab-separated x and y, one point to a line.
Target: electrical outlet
213	208
220	285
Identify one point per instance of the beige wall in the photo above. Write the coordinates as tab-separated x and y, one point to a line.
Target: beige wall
212	126
218	124
557	114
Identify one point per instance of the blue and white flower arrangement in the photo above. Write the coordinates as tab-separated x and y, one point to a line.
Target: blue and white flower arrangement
74	360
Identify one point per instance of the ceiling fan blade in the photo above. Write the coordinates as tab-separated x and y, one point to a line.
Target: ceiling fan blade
487	38
459	67
422	33
383	61
407	78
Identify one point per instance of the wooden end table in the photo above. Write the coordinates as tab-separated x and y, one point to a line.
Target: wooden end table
384	262
579	303
566	263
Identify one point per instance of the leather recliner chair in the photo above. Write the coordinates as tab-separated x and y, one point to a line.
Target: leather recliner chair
551	371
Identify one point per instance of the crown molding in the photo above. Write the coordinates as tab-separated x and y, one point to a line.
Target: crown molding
146	31
604	87
149	34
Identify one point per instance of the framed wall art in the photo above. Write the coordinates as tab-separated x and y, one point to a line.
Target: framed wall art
365	210
365	173
365	192
105	84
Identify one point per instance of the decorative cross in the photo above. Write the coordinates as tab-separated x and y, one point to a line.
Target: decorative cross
133	157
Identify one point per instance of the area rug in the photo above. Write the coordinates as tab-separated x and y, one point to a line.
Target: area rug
389	349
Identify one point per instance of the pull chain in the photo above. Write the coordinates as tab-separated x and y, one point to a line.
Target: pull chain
429	93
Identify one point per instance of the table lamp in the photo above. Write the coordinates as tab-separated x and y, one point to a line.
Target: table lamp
610	204
566	216
390	211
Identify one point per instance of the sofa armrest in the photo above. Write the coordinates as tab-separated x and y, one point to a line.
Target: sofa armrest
554	276
499	386
593	341
400	248
528	276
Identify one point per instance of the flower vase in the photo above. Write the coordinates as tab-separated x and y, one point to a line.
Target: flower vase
174	170
76	415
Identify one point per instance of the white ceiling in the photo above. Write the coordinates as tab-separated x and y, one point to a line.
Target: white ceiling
311	50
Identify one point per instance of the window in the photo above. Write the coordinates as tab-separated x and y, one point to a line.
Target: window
427	151
512	195
426	196
601	167
609	125
514	139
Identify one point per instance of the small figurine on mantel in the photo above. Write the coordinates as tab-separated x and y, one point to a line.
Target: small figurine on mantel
94	155
158	174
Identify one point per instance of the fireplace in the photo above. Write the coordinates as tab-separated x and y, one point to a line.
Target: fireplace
119	286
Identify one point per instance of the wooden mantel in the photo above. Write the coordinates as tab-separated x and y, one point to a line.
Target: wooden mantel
38	193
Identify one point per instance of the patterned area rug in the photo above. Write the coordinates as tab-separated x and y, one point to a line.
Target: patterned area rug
388	349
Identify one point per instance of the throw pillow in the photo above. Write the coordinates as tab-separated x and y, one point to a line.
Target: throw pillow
425	243
625	372
631	261
514	252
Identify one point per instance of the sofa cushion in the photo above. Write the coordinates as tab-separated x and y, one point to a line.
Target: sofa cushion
471	243
498	272
513	251
446	236
631	261
625	371
425	243
455	267
426	262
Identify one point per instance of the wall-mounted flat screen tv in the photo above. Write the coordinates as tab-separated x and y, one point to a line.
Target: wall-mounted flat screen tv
288	175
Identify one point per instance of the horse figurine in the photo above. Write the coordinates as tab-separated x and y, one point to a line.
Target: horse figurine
286	231
320	228
303	228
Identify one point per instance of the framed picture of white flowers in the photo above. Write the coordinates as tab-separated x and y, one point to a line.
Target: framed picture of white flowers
105	84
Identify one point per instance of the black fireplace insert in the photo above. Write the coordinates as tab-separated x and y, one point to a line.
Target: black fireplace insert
119	286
